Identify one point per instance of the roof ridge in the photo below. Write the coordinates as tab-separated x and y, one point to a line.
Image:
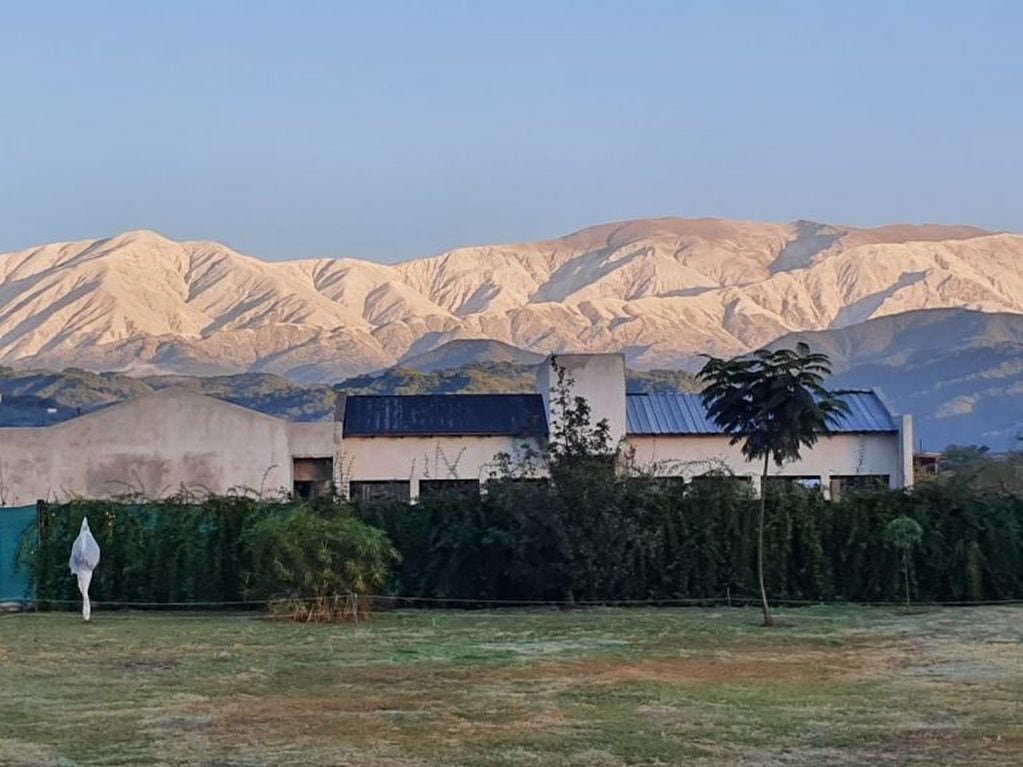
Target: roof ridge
663	394
453	394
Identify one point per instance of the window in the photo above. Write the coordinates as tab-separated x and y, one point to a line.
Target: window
380	490
665	484
720	482
671	484
781	482
496	486
312	478
431	488
858	483
539	483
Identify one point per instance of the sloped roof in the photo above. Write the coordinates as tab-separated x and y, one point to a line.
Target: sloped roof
685	414
434	414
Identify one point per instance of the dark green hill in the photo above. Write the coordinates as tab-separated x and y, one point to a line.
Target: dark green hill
959	372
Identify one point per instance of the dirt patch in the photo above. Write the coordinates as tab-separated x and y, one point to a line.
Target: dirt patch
149	665
18	752
770	663
858	659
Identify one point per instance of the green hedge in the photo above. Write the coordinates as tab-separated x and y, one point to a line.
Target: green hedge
639	539
223	549
590	536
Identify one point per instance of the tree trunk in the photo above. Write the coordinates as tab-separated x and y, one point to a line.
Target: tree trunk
905	572
768	620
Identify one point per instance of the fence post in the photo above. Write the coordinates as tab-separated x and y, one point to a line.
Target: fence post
41	508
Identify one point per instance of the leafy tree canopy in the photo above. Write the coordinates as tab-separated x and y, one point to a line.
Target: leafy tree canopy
774	402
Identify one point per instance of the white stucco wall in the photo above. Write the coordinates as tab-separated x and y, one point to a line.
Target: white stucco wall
598	378
174	438
417	458
906	449
840	454
157	444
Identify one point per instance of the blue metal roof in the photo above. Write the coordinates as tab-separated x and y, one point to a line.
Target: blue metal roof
434	414
685	414
667	414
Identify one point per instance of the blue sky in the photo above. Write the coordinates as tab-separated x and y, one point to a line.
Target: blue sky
393	130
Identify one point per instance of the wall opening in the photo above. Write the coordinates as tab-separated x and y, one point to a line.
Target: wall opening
668	484
721	482
842	485
783	480
312	478
380	490
430	488
540	483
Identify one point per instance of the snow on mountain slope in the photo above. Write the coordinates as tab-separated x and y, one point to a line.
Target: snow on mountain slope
659	289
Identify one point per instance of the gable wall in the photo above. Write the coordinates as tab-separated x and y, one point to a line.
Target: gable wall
157	444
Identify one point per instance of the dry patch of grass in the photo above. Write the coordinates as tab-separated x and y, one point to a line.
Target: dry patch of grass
601	687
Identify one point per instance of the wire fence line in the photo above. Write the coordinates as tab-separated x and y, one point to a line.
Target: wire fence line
728	600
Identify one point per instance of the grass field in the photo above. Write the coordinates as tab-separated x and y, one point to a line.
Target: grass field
602	687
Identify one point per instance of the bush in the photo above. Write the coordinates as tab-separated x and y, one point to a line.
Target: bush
589	536
311	565
613	539
221	550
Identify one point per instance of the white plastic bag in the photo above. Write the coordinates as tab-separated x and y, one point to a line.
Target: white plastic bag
84	559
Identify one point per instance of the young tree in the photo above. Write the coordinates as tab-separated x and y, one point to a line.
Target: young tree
774	403
902	534
573	435
585	497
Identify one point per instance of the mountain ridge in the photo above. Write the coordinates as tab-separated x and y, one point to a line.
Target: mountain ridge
660	290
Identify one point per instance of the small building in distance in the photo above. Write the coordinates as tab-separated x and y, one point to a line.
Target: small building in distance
406	447
397	446
161	443
671	435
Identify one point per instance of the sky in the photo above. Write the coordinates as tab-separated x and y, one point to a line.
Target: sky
393	130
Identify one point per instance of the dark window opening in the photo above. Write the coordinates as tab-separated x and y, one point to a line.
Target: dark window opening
431	488
672	484
312	478
538	482
858	483
785	482
380	490
721	479
721	483
512	484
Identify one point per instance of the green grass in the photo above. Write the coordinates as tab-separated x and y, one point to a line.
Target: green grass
601	687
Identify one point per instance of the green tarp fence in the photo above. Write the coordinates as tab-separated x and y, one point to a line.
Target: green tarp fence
13	522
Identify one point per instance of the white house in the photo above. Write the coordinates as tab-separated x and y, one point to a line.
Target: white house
162	442
397	446
671	435
405	447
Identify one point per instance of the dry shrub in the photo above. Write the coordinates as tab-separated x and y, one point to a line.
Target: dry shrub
312	567
338	608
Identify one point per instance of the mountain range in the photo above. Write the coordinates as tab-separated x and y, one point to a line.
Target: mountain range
933	314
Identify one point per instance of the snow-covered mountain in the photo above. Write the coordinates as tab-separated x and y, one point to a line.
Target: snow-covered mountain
661	290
